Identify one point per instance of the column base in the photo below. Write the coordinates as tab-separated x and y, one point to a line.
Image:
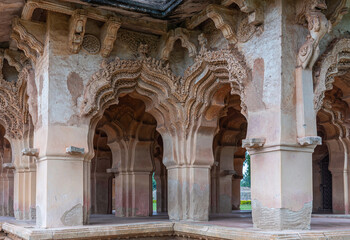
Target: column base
281	218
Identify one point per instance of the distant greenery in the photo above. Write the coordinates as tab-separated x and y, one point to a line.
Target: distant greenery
246	207
246	202
246	176
154	184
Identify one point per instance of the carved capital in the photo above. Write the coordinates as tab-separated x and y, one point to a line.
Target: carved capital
253	142
109	35
76	30
181	34
30	152
310	140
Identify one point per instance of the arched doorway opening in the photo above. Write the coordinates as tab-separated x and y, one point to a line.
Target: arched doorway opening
330	160
226	173
6	176
128	151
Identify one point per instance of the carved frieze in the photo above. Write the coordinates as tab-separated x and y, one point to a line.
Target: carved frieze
178	34
109	35
76	30
132	40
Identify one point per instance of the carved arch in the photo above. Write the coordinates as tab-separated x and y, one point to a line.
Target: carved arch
182	106
334	63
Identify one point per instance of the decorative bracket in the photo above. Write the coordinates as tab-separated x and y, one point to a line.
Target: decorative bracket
230	172
75	150
30	152
311	140
9	166
253	142
318	26
176	34
76	30
31	42
109	35
222	17
251	7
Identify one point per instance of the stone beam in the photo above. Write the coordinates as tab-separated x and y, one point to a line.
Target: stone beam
101	15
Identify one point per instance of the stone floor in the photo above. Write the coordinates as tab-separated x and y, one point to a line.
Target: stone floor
237	225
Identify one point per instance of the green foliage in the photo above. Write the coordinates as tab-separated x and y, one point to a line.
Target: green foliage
246	202
154	184
246	176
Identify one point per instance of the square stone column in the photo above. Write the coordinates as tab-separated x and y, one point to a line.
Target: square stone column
188	193
133	194
60	199
281	187
60	175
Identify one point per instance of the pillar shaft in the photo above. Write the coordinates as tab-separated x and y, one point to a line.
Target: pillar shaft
277	201
188	193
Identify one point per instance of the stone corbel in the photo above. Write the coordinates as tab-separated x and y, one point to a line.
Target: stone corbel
9	166
15	59
251	7
311	140
318	25
109	35
30	152
181	34
76	30
222	17
253	142
29	36
24	47
75	150
230	172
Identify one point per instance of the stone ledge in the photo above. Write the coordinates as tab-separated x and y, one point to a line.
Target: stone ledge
164	230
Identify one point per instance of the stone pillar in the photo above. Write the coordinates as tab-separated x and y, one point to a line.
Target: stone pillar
340	181
282	133
236	183
60	176
133	183
160	176
226	171
188	162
